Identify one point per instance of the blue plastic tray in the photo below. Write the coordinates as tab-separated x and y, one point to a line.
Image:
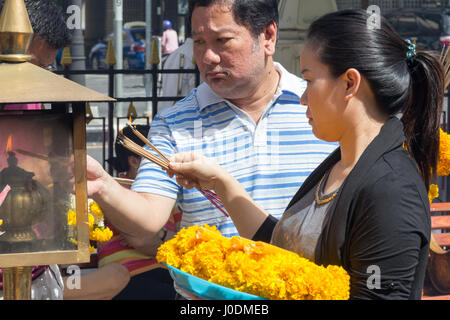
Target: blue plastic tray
207	290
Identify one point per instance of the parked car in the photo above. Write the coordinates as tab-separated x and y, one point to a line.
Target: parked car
133	48
429	27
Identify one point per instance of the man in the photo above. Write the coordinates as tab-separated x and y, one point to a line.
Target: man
246	115
50	35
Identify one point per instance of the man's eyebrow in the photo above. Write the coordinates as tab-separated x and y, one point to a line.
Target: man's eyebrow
218	31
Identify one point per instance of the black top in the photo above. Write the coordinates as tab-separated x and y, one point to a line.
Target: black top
380	220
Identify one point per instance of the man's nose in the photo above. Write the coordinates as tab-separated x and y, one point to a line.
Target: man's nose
211	56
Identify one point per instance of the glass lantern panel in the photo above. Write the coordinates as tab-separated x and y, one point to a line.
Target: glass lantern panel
36	166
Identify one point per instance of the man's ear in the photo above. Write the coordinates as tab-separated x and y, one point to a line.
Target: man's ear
352	79
270	34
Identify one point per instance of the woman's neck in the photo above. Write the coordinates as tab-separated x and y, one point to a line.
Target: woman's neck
356	140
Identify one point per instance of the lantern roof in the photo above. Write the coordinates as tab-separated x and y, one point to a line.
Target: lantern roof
26	83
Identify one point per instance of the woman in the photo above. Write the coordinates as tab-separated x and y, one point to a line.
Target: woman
366	206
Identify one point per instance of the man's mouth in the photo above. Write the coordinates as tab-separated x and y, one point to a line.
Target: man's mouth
217	74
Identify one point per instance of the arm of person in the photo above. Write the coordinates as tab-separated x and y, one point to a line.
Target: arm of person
194	170
387	241
102	284
135	215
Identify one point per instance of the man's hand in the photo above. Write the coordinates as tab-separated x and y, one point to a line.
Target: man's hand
96	176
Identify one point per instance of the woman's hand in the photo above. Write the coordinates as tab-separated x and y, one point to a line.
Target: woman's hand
193	170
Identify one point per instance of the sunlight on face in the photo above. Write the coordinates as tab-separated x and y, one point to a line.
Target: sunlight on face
229	58
322	96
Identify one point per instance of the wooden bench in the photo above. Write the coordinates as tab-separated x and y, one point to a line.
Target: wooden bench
437	280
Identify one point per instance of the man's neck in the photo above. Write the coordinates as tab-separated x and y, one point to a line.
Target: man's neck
257	101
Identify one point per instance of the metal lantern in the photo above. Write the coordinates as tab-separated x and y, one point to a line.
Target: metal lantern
40	151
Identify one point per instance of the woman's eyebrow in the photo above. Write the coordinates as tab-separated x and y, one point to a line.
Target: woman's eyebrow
305	70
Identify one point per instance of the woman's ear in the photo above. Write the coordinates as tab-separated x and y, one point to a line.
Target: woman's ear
352	78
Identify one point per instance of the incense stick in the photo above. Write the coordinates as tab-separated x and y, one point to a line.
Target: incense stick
445	61
147	142
124	181
163	162
133	147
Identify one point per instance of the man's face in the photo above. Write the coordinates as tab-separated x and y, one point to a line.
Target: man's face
230	60
41	53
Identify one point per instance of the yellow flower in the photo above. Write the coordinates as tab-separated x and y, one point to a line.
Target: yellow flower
254	267
91	221
1	222
101	234
96	230
443	168
95	209
433	193
91	248
71	218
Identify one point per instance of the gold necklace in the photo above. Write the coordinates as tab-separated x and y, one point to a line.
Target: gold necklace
326	200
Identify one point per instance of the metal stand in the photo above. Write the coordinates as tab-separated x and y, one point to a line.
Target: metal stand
17	283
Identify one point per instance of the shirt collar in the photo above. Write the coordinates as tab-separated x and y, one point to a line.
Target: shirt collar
288	82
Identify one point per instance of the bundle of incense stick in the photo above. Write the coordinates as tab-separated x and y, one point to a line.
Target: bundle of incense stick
163	162
445	60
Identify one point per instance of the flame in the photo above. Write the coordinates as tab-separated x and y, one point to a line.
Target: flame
130	119
121	132
9	144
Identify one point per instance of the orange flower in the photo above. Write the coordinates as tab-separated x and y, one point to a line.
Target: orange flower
254	267
443	168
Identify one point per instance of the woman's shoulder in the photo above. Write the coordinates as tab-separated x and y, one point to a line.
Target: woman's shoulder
394	184
396	170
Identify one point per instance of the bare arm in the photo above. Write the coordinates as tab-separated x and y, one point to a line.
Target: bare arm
102	284
199	171
133	214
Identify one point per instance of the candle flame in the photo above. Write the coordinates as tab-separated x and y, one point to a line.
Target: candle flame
9	144
130	119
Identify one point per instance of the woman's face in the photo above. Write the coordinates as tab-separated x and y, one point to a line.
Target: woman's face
324	96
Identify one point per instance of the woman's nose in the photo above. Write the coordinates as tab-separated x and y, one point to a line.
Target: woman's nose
304	99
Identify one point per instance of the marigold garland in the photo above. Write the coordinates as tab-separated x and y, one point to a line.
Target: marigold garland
433	193
97	230
443	168
254	267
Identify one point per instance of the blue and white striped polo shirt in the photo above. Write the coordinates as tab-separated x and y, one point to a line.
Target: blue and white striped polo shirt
271	159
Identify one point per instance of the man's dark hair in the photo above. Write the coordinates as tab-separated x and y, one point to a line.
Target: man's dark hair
253	14
49	22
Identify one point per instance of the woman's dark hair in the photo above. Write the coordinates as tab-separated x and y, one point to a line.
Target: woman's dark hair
120	162
252	14
413	86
